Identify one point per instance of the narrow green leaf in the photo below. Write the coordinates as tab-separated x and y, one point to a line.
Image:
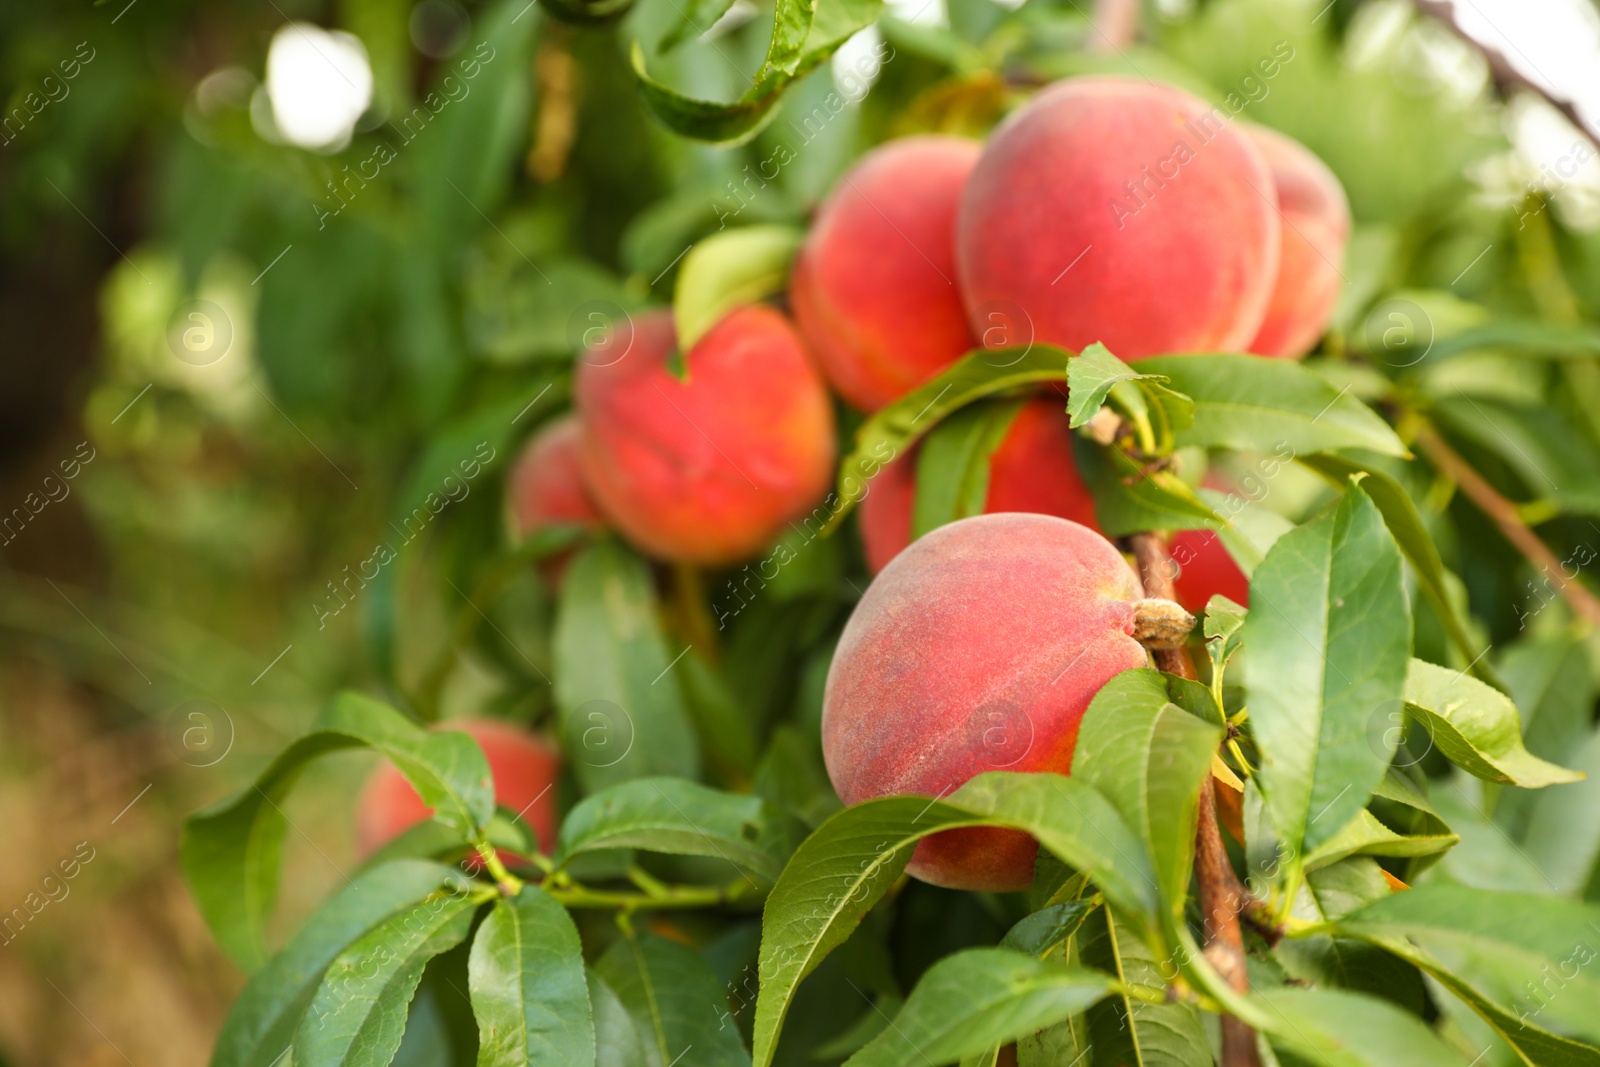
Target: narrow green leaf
1476	727
791	25
683	818
1328	634
1498	953
1244	402
695	18
1043	930
618	1042
707	120
609	651
676	1002
893	429
846	866
1090	377
1563	835
1124	1031
526	979
1411	534
971	1001
262	1021
727	270
953	464
1364	835
1149	757
1334	1028
232	851
1221	625
358	1014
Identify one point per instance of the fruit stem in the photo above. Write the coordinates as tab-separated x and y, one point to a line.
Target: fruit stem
1505	515
1161	624
509	884
1222	898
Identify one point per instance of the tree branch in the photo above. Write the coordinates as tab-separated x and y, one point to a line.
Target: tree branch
1222	898
1505	516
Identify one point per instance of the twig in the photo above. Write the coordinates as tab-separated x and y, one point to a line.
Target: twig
1506	76
1505	516
1222	898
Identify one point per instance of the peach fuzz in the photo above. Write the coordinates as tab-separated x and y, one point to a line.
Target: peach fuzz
1033	470
874	287
1316	226
977	649
525	768
707	470
1111	209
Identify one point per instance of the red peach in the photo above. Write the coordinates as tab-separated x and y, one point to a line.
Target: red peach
1316	225
1115	210
546	486
1032	470
525	768
978	648
710	469
1205	569
874	287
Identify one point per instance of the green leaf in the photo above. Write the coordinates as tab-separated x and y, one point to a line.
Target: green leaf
1149	757
894	428
1563	834
1470	939
358	1014
617	1040
262	1021
707	120
695	18
675	1000
463	158
727	270
526	979
1043	930
621	717
1411	534
1090	376
791	25
1129	497
1364	835
971	1001
1476	727
682	818
232	851
953	464
1535	337
1324	960
1334	1028
1328	636
1246	402
1123	1030
1221	625
847	865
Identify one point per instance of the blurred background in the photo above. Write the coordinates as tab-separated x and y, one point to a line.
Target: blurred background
266	270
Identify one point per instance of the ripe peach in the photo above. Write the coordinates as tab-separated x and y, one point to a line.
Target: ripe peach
1032	470
710	469
874	288
525	769
1110	209
1316	225
978	648
546	486
1205	569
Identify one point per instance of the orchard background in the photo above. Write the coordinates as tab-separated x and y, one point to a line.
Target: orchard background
288	289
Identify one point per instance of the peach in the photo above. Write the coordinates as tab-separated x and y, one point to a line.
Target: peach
1205	569
1032	470
707	470
874	287
525	768
546	486
1116	210
1316	225
978	648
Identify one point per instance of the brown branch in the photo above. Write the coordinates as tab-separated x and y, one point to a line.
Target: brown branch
1507	77
1505	516
1222	898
